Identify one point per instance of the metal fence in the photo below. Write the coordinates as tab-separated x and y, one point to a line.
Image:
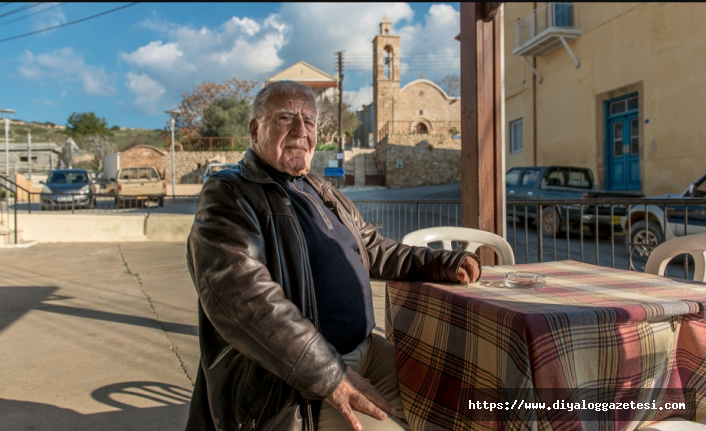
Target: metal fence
586	230
617	232
108	203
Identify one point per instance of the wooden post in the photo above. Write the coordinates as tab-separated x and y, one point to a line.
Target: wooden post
481	121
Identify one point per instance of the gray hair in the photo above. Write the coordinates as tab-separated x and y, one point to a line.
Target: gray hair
259	105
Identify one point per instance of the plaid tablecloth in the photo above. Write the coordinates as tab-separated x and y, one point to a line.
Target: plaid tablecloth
590	327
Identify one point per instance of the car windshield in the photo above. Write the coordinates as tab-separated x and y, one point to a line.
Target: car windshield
68	177
700	190
143	173
512	176
529	179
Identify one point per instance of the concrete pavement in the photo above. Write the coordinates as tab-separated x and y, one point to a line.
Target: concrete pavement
100	336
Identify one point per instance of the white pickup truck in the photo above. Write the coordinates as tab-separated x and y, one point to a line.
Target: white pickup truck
138	185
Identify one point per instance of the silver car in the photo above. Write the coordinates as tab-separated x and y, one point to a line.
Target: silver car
68	188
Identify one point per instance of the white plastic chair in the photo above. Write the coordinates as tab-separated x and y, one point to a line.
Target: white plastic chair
473	237
695	245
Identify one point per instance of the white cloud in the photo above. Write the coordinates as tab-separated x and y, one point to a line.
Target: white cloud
240	47
65	66
317	35
147	92
183	56
429	48
53	16
360	97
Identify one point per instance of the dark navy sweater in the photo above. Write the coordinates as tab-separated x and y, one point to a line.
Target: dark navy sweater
341	283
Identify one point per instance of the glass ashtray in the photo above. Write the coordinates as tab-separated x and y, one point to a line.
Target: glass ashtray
524	280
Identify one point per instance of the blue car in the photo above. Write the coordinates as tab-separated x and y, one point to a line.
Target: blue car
68	188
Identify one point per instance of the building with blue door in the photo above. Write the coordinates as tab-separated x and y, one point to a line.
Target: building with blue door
615	87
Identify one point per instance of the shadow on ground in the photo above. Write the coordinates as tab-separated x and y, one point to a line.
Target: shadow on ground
161	407
17	300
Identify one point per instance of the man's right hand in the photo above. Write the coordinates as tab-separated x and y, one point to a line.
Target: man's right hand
356	392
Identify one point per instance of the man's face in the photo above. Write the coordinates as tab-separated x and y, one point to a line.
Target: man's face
286	137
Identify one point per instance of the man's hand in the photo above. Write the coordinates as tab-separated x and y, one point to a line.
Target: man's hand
356	392
468	271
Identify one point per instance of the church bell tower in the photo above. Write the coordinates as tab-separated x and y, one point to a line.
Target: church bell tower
386	77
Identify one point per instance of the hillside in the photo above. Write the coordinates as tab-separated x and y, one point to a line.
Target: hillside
49	132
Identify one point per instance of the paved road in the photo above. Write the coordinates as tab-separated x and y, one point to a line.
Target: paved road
100	337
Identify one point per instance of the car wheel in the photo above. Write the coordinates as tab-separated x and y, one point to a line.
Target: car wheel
551	223
643	239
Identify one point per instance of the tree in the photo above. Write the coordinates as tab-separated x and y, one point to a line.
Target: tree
226	117
327	125
84	124
99	146
192	105
451	85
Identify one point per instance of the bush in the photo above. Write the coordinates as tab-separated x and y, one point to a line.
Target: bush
326	147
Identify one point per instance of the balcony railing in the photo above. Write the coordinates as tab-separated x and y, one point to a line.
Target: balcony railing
547	28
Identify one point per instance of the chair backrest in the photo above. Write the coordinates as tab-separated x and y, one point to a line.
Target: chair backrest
474	237
695	245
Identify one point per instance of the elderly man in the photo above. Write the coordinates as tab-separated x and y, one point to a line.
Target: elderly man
282	262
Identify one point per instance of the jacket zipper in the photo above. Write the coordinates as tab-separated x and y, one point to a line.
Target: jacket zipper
264	407
302	246
309	414
316	204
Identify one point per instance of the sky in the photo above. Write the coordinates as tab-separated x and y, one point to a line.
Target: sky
131	65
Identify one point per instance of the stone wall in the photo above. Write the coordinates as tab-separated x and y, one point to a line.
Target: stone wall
420	160
423	101
189	164
425	160
144	155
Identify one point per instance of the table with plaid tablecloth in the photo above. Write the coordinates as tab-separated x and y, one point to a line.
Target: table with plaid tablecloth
599	329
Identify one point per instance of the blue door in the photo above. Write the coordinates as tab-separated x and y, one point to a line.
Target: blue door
622	144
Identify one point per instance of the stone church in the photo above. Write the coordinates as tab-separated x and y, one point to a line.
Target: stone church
416	129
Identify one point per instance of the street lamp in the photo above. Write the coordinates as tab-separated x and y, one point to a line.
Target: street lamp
172	114
6	112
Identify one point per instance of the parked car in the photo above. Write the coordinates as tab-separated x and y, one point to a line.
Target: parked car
67	188
138	185
215	167
652	233
557	183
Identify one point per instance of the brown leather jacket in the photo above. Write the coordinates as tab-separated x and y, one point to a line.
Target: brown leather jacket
263	361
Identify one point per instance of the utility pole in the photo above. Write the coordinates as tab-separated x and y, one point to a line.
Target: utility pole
341	146
29	155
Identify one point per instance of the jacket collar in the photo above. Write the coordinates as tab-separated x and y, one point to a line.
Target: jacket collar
252	168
